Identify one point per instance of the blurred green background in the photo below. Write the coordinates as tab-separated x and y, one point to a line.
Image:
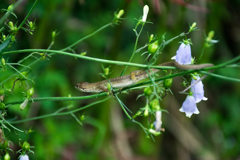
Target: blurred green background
107	133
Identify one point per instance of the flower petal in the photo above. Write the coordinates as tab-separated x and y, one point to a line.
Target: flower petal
145	13
183	55
189	106
198	91
158	123
24	157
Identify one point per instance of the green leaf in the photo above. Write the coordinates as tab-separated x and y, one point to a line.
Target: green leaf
4	45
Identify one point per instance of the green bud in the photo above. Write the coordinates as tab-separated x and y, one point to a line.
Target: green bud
190	93
7	157
13	38
2	106
1	91
82	117
21	78
194	77
4	37
210	36
154	105
139	112
3	62
193	27
26	146
106	71
10	7
152	48
83	53
146	111
30	92
3	144
10	23
167	83
154	132
147	91
151	38
109	86
53	34
30	24
120	13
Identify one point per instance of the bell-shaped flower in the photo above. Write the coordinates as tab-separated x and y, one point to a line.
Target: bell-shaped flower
197	90
145	13
189	106
24	157
158	123
183	55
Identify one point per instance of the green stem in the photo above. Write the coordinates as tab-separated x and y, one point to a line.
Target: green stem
91	58
80	40
29	13
59	98
60	114
220	76
134	50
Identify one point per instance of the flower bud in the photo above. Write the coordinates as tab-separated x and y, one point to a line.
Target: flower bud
210	36
26	146
7	157
151	38
30	92
145	13
4	37
13	38
167	83
152	48
24	104
109	87
82	117
10	7
146	111
154	132
83	53
106	71
3	62
2	106
21	78
120	13
10	23
139	112
1	91
53	34
147	91
193	27
3	144
154	105
30	24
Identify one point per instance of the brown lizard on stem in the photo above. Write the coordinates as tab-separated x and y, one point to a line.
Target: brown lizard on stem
135	76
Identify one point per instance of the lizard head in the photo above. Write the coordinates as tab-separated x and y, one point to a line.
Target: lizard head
82	86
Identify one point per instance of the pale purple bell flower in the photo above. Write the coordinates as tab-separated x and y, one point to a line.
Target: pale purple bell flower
197	90
24	157
183	55
189	106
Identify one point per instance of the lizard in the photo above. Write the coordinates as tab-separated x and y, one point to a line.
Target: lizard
134	77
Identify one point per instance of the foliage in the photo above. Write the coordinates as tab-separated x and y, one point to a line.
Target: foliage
37	85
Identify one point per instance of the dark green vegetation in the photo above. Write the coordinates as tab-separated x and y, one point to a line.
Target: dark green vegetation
106	132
